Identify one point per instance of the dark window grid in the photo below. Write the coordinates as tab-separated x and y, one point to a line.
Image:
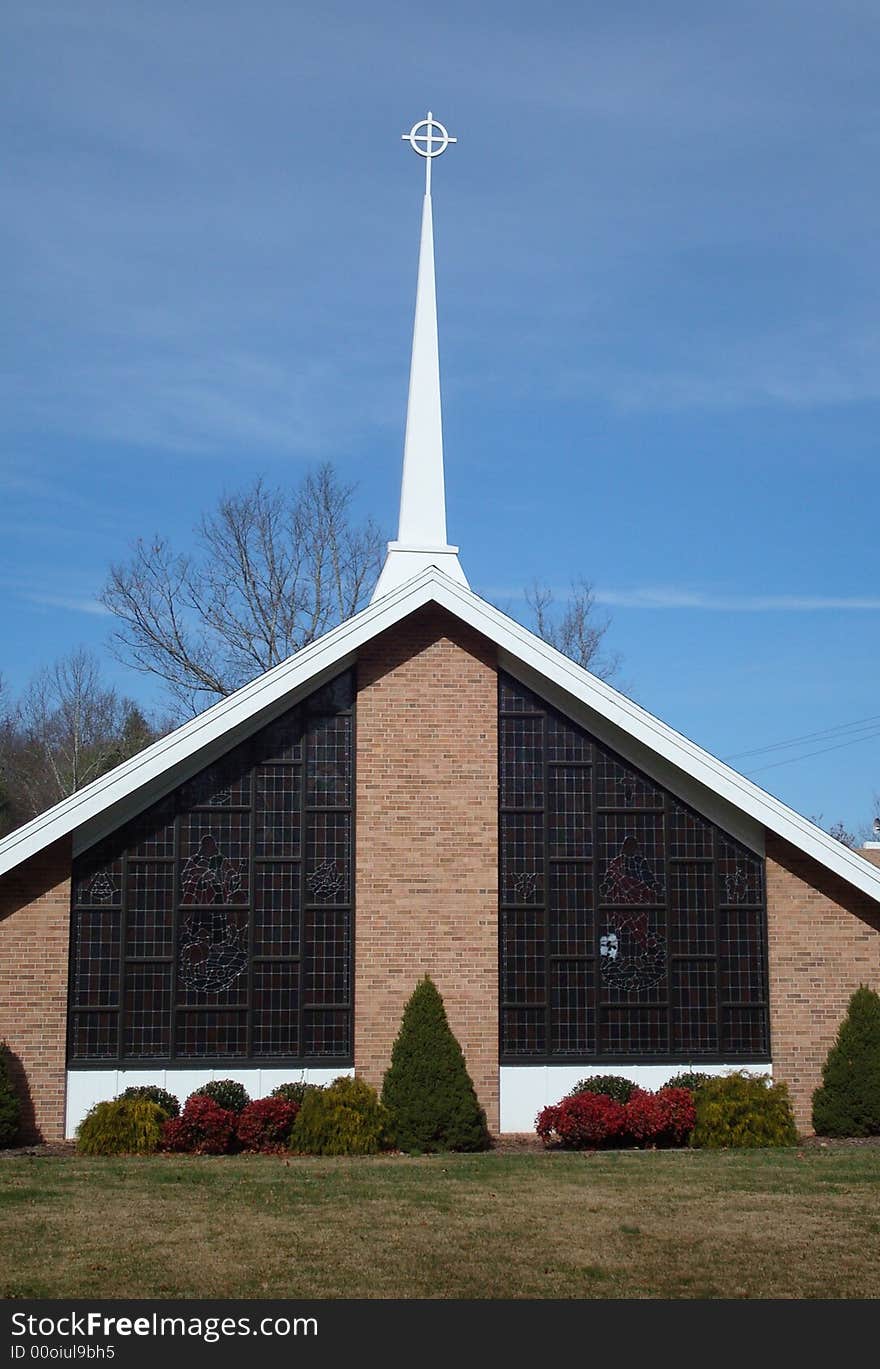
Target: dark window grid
327	1031
658	906
277	898
633	1030
692	927
571	937
276	1008
524	951
569	813
518	698
95	982
523	1033
155	862
98	1031
213	808
573	1021
744	1030
278	804
196	1030
328	770
327	959
149	895
100	886
146	1024
565	744
175	863
507	1043
521	773
616	810
622	786
760	1004
522	852
689	837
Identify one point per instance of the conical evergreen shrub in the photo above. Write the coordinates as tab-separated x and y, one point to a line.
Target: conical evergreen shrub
10	1105
847	1102
427	1089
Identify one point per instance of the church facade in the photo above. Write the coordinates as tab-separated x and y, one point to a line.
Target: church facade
427	789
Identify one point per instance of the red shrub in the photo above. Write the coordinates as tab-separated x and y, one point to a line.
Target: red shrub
665	1118
265	1124
203	1128
681	1115
582	1119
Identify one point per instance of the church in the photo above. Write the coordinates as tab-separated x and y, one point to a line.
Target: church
429	788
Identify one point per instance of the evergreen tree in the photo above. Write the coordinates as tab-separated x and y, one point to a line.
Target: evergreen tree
10	1106
427	1089
847	1103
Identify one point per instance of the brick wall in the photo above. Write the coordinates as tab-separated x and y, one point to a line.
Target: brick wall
34	923
427	853
824	939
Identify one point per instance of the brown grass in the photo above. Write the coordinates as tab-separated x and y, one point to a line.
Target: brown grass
790	1224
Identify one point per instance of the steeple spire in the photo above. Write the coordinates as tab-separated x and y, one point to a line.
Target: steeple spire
421	535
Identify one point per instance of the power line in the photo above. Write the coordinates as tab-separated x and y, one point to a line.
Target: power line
826	733
791	759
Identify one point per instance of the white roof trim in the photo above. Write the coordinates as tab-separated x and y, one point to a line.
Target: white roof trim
243	711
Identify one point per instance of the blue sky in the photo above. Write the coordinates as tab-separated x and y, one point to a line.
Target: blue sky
659	299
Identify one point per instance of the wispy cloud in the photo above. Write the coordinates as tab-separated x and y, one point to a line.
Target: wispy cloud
666	596
674	597
71	603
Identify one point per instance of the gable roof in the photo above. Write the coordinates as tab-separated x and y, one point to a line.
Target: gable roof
720	792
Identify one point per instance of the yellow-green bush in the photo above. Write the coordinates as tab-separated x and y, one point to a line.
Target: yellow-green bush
344	1119
123	1126
743	1110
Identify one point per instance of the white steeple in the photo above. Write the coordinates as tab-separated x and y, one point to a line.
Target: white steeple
421	535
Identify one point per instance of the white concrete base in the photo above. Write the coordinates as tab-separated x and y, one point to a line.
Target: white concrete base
85	1088
404	561
526	1089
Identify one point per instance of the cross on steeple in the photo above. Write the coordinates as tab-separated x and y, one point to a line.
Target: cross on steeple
421	536
428	144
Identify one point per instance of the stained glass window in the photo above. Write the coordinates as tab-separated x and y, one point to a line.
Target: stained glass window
631	927
216	926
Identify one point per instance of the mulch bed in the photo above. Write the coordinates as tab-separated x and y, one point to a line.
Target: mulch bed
518	1141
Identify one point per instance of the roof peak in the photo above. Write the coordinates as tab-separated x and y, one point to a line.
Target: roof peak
421	537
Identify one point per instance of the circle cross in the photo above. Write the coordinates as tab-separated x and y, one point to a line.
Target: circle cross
429	143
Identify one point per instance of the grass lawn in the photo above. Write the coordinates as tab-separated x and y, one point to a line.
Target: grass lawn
674	1224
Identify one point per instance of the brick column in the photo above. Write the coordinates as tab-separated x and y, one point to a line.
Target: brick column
34	935
824	939
427	840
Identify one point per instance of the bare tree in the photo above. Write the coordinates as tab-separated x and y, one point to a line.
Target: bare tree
574	628
855	838
11	811
67	730
270	572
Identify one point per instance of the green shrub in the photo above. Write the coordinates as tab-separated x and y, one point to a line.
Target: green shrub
743	1110
608	1085
293	1093
689	1079
344	1119
124	1126
10	1103
154	1094
847	1102
427	1089
226	1093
